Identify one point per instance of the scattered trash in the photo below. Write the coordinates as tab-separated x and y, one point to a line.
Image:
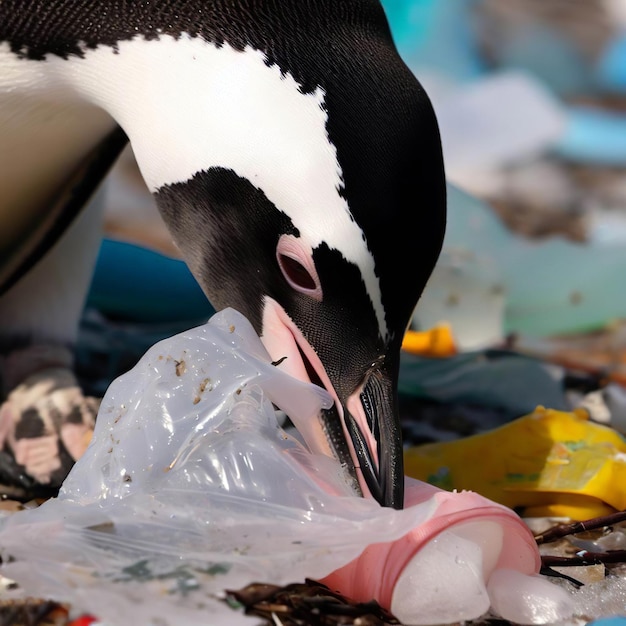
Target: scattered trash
31	611
599	356
111	542
597	576
303	603
519	86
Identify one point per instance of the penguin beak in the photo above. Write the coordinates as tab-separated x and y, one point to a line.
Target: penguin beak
361	429
372	421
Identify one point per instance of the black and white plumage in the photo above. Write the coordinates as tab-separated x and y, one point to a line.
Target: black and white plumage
294	157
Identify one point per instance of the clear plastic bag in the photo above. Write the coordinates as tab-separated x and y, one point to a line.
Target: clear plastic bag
190	487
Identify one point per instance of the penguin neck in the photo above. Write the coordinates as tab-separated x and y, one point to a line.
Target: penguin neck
189	105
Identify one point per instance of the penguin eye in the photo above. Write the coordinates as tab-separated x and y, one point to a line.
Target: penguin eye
296	273
297	266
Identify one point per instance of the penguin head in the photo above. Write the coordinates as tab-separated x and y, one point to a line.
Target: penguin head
313	202
330	290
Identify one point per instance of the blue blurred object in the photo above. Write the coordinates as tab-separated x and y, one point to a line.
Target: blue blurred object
435	35
135	284
609	621
593	136
611	69
500	119
410	20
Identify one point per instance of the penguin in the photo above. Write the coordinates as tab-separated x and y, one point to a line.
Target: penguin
296	161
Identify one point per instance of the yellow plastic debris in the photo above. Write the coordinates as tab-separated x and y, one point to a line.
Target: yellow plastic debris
435	342
550	463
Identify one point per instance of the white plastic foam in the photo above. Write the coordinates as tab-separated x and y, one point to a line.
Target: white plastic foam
444	583
528	599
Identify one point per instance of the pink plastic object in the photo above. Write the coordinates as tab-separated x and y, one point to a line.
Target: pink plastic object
454	565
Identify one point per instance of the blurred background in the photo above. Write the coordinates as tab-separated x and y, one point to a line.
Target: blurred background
531	285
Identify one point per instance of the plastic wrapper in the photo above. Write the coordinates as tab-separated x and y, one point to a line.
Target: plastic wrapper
551	463
191	487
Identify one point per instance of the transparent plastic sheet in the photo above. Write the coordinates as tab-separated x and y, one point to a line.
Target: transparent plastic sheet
191	487
161	515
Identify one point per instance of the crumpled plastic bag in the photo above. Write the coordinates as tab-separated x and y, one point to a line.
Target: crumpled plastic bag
191	487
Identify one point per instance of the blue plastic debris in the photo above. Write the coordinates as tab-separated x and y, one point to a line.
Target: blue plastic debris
611	69
134	283
593	135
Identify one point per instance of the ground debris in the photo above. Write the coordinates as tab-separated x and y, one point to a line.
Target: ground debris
32	612
308	604
579	553
563	530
